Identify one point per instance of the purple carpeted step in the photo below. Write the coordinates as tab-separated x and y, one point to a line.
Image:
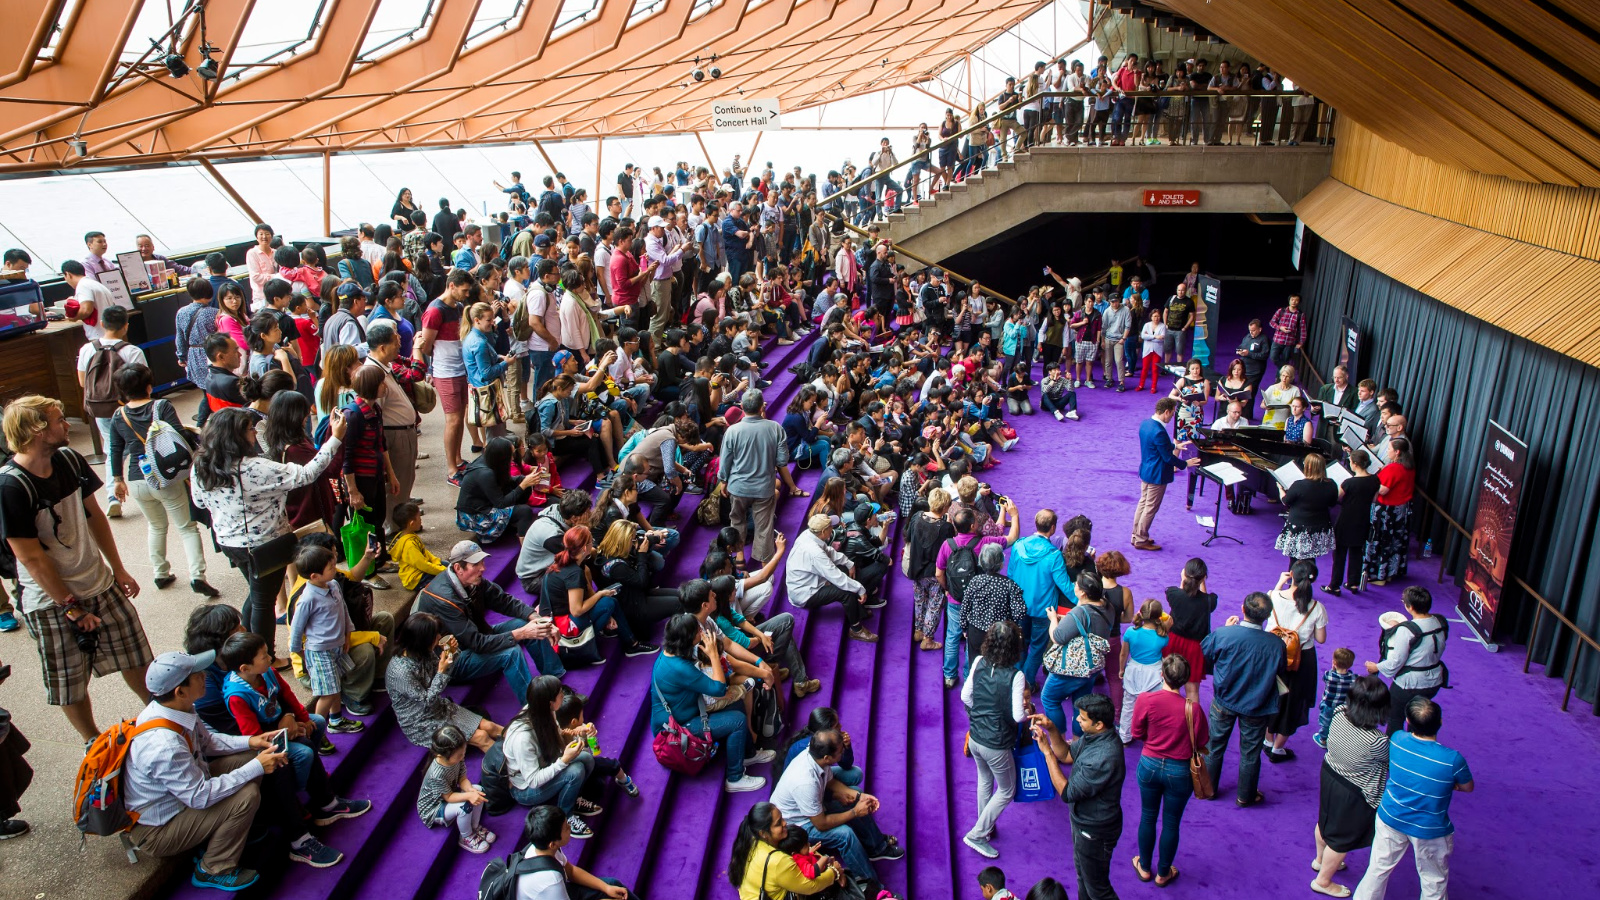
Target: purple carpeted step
887	774
399	863
927	833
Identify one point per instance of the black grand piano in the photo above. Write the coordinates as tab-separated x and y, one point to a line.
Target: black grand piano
1257	451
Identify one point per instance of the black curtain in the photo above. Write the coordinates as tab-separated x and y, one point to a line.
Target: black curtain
1454	373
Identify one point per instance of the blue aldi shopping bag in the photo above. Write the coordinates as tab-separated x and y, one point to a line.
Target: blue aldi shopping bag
1033	776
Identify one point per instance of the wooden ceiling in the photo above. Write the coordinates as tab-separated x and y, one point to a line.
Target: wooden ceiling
1502	87
623	70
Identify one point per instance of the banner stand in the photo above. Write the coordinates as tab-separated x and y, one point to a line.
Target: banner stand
1494	522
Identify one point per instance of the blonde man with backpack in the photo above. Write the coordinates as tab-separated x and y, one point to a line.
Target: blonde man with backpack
98	363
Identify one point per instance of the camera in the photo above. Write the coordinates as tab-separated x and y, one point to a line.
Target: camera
88	641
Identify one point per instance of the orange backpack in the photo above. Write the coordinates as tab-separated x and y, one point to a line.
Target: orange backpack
97	795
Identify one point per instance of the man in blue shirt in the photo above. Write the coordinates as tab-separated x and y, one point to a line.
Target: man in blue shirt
1245	660
1415	810
1156	468
1037	567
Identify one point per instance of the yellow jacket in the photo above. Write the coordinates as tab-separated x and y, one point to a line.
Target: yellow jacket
416	561
782	875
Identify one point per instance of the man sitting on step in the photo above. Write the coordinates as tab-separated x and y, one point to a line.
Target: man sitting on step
832	813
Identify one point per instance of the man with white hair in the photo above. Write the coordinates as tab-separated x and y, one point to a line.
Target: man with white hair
818	575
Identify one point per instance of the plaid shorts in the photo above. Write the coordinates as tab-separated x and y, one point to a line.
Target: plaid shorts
325	669
123	645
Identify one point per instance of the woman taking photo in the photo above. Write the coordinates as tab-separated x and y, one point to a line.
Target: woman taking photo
1173	729
416	678
567	596
807	448
541	766
164	507
1190	606
486	369
1390	535
1308	531
1296	609
1354	773
246	495
1089	617
565	437
761	871
334	391
491	500
677	684
993	695
627	557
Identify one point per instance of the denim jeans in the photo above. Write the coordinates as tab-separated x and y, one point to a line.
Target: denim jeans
952	639
511	662
562	790
1121	117
812	455
1067	403
104	427
853	842
303	751
603	611
1038	643
541	364
1252	731
728	727
1059	688
1164	789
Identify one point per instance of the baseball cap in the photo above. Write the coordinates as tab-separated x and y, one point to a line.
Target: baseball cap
560	359
349	290
657	222
169	670
466	552
542	240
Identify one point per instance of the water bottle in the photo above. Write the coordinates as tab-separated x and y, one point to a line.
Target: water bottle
594	744
1427	549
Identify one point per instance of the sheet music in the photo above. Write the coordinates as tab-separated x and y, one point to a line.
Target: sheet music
1349	429
1206	521
1381	450
1331	411
1288	473
1227	472
1338	473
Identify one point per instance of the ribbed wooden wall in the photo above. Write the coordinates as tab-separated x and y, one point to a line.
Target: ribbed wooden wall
1560	218
1525	289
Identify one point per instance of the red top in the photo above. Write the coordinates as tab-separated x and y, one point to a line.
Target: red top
245	715
1400	481
1158	721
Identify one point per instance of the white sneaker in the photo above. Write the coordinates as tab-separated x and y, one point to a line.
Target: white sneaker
1073	415
1009	444
1090	384
983	848
745	784
114	509
761	758
473	844
1060	417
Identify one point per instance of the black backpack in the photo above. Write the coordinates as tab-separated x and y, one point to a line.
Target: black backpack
766	716
499	881
1417	634
960	568
8	559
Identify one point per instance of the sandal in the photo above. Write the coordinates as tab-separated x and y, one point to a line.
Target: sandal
1332	890
1316	865
797	492
1143	875
1170	878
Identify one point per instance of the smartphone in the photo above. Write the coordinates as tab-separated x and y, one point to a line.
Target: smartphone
581	426
612	588
280	742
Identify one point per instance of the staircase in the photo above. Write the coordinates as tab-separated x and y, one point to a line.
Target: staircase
1050	180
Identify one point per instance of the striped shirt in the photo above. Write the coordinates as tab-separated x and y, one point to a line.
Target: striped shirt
1422	776
1360	755
436	783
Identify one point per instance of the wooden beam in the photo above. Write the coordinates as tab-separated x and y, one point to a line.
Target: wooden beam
235	196
327	194
709	161
750	163
547	160
599	169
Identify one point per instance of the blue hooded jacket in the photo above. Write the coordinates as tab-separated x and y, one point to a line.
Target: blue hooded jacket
1037	566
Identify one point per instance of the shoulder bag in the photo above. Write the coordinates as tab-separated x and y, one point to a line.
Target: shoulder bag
276	554
1204	789
1291	640
1080	657
676	747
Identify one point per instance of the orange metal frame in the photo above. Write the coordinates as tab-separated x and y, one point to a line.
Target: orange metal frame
600	78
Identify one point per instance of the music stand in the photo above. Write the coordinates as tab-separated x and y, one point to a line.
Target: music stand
1224	474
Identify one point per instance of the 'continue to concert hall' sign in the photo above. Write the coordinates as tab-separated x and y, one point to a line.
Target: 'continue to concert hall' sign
745	115
1153	197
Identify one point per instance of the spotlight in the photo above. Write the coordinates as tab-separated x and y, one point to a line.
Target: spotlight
79	146
175	65
698	75
716	72
208	68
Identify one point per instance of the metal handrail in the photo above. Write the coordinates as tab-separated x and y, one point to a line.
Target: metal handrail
1544	604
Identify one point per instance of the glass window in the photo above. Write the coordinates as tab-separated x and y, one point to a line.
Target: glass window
275	32
52	44
573	14
701	7
644	9
155	23
396	24
494	18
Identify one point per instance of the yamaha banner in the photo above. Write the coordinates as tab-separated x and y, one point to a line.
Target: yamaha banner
1505	460
1209	290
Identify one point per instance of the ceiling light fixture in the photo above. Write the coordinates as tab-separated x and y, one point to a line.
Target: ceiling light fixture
208	68
80	147
175	64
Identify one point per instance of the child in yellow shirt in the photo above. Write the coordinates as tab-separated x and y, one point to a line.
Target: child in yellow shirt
417	563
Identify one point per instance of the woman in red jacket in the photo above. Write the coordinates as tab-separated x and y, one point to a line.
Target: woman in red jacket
1389	540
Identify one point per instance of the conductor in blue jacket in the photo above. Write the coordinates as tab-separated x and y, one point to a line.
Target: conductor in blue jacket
1157	466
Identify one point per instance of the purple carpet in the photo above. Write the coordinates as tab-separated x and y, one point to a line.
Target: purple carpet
674	841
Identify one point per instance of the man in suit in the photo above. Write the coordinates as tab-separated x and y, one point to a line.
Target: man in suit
1340	393
1157	465
1245	660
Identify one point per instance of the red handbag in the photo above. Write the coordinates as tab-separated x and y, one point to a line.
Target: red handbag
679	749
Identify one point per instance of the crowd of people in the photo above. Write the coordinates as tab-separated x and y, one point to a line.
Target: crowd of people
635	344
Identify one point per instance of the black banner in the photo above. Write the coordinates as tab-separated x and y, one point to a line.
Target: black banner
1350	348
1505	460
